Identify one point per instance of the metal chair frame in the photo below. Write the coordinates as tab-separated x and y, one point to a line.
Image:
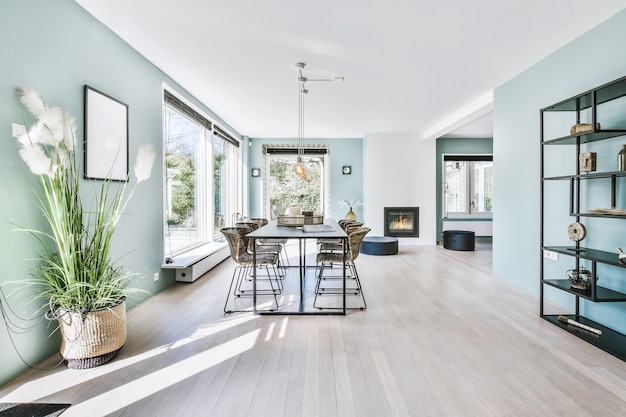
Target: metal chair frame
325	259
238	244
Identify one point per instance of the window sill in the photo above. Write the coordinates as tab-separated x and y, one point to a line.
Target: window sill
186	259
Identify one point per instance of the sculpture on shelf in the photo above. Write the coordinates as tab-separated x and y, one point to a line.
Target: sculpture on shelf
580	278
587	161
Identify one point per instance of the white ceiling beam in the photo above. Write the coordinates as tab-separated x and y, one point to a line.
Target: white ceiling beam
474	110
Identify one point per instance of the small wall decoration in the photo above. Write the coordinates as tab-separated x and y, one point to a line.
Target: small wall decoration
346	170
256	172
106	136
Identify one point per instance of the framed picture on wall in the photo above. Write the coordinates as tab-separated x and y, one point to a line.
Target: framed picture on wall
106	136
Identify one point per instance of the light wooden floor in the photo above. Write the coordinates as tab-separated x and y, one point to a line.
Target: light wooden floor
441	337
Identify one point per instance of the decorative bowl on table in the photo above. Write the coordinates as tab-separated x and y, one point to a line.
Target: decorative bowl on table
287	220
314	219
299	220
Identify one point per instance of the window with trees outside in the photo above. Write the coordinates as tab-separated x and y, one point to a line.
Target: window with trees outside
468	186
284	188
201	177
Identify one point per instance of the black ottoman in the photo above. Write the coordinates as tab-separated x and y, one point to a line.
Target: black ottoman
379	245
458	240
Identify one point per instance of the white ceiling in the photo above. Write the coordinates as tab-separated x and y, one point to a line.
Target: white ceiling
409	65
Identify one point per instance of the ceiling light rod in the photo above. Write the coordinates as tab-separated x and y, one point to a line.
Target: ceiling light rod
299	169
300	66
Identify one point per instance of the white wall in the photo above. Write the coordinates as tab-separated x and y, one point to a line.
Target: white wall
399	171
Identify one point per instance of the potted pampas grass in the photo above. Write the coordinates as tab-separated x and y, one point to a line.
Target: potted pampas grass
83	287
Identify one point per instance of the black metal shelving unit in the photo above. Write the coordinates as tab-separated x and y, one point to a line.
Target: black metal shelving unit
584	106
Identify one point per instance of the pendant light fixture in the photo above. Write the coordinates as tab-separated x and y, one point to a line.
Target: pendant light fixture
299	169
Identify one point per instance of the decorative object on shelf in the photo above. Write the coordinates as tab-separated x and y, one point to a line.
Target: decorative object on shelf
616	211
564	319
77	279
350	215
621	159
576	231
255	172
580	278
582	128
346	170
587	161
621	255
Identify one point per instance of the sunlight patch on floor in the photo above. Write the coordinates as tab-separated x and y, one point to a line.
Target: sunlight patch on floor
127	394
59	381
270	331
283	327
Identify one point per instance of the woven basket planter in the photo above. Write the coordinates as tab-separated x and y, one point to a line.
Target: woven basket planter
92	339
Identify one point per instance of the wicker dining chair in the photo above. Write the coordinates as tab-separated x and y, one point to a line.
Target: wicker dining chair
330	245
326	259
238	244
272	245
345	225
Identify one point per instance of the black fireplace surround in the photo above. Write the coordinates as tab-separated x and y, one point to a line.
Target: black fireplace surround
402	221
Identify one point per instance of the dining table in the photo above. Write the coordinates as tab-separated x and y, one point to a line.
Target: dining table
330	229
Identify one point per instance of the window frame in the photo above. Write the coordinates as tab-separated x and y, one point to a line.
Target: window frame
308	150
205	200
470	159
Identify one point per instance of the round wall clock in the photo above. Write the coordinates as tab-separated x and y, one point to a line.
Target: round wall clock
576	231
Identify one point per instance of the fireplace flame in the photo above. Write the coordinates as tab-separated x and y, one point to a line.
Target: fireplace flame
401	223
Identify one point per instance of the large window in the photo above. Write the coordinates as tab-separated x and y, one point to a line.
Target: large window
201	181
468	186
284	188
225	179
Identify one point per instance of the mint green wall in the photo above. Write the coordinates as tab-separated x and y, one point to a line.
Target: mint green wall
56	47
461	146
342	187
563	74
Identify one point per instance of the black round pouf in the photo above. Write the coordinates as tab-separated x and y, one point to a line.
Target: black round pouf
458	240
379	245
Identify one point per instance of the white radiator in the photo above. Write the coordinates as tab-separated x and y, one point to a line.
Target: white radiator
191	267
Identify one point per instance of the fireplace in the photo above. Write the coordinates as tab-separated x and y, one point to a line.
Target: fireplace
402	221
